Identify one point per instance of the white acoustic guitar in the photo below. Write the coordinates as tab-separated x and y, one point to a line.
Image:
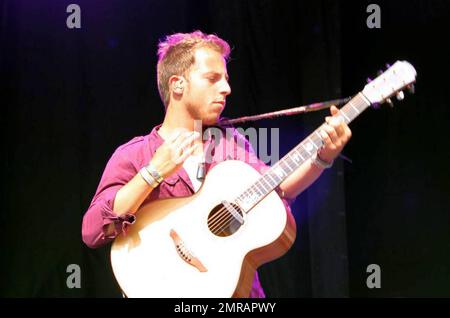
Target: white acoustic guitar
211	243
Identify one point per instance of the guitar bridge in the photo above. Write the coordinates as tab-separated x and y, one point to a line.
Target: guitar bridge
185	254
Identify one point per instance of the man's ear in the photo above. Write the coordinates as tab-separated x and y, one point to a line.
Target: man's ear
176	84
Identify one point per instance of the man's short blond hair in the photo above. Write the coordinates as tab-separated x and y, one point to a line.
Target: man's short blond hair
176	55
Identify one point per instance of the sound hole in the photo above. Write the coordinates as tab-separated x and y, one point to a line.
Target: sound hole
224	221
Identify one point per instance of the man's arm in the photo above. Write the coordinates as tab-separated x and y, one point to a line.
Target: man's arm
300	179
122	191
168	158
335	134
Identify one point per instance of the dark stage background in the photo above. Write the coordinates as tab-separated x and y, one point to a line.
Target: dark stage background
71	96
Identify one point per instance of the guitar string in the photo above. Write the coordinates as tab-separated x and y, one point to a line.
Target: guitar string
219	223
221	219
223	223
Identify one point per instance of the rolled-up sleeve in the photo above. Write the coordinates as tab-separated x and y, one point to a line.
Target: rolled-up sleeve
96	227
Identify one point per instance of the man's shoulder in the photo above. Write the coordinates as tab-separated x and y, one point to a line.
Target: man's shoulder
133	143
136	144
140	146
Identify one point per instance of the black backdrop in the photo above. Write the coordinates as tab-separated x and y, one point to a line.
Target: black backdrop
71	96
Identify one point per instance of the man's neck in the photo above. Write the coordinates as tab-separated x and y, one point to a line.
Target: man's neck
176	118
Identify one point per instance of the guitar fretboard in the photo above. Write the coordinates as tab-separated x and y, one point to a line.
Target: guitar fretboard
296	157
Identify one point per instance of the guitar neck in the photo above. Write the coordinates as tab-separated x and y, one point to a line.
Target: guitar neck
296	157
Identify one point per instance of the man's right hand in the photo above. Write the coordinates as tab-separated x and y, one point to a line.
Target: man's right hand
170	156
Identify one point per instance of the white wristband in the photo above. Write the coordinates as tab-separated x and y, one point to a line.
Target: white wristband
154	173
148	178
321	163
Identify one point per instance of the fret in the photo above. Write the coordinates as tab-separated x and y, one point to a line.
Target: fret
299	150
255	189
320	138
262	182
278	172
291	164
271	179
307	148
243	197
253	195
297	157
261	187
363	98
351	113
346	118
313	143
307	154
300	154
303	154
248	198
275	179
285	166
352	106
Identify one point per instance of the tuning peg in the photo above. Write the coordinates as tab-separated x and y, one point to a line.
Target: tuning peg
411	88
389	101
400	95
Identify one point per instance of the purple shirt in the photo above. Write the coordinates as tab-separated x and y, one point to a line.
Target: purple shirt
126	162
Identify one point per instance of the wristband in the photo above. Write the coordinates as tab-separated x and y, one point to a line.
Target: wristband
321	163
154	173
148	178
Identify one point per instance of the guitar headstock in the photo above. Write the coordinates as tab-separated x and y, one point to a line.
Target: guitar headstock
397	77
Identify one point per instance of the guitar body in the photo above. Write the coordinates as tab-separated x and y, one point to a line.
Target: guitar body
172	250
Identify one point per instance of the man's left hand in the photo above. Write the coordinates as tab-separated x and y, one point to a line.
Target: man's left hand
335	134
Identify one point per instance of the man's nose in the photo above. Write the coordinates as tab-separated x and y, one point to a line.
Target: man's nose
225	88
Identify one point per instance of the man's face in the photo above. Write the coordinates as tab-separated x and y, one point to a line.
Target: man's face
207	87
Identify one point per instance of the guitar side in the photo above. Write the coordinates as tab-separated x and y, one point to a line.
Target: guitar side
148	263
